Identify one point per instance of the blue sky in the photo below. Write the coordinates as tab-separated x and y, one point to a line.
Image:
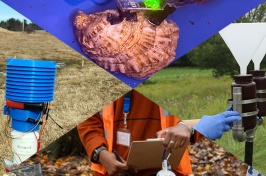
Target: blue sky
7	12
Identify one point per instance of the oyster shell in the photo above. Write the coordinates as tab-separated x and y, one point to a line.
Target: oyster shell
136	49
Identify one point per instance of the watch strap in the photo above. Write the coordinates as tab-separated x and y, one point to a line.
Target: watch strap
96	153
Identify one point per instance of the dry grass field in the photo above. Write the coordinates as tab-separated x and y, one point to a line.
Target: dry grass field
79	93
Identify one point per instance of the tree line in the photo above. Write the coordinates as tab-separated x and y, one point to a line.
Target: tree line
13	24
214	53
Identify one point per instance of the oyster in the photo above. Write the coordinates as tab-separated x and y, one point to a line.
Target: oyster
136	49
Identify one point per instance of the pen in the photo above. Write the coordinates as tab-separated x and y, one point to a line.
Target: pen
163	157
120	160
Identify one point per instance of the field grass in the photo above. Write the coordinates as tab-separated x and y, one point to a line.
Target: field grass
183	91
191	93
79	93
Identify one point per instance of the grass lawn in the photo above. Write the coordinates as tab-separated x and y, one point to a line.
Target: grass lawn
191	93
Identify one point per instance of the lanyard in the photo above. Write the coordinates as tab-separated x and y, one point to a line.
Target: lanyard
126	108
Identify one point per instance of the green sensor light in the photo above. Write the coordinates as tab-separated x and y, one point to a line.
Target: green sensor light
153	4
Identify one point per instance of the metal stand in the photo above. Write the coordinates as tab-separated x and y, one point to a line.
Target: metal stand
248	152
249	146
238	130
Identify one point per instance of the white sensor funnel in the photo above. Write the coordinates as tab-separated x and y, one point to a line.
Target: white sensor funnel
243	39
259	54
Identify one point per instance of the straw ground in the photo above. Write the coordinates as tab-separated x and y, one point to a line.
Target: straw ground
80	91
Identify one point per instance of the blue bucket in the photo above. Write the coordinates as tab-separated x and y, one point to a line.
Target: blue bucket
27	72
31	81
19	84
30	64
29	87
31	76
27	68
28	99
20	117
26	91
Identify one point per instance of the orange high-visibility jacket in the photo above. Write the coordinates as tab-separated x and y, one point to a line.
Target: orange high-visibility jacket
99	130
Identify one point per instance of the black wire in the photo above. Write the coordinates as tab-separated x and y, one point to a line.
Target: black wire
55	122
47	114
46	111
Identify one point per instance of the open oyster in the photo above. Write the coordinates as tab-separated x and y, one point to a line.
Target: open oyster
137	49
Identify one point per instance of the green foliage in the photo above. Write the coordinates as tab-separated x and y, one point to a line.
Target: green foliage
255	15
183	61
176	89
13	24
148	81
214	53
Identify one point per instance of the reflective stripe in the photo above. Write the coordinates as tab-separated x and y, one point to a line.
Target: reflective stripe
165	113
106	135
101	112
243	101
261	100
261	91
108	122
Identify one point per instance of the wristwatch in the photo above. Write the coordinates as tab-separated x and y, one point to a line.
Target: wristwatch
96	153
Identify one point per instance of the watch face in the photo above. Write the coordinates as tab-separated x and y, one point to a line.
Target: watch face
95	155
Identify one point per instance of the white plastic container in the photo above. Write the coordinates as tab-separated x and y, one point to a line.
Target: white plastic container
24	145
164	171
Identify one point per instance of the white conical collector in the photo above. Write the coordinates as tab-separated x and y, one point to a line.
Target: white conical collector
259	54
243	39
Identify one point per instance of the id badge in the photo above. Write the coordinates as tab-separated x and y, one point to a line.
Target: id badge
123	137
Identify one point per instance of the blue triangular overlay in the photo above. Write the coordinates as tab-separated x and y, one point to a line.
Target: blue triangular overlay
197	22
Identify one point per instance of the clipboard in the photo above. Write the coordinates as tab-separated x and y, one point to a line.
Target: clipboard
148	154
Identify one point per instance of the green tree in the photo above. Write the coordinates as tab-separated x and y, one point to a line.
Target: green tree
214	53
183	61
257	14
14	24
3	24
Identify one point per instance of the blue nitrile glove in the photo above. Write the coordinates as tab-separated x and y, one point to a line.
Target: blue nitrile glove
230	108
260	120
212	127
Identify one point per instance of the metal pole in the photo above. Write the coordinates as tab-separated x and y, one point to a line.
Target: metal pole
239	134
249	145
23	25
248	152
